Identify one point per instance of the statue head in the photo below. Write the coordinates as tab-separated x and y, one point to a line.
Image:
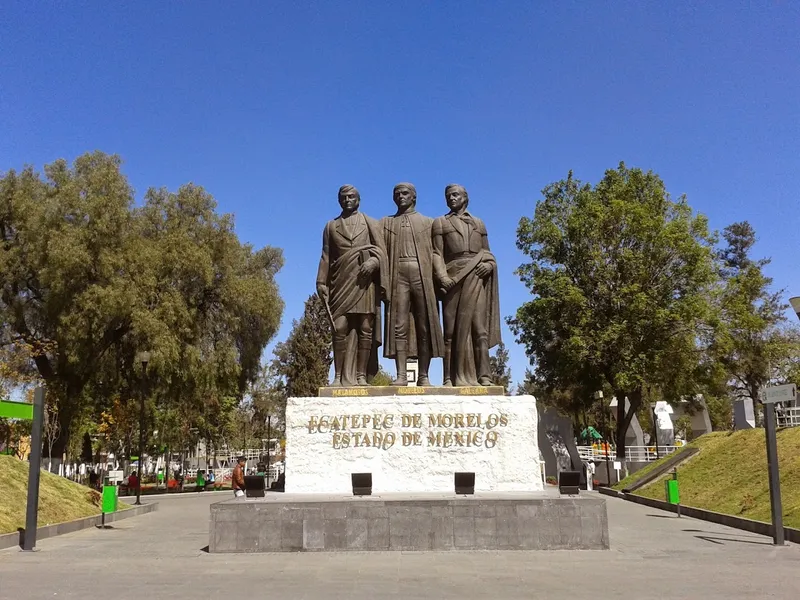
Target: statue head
405	196
456	197
349	198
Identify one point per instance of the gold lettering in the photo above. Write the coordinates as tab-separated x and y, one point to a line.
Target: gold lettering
377	439
357	438
350	392
337	440
323	422
313	423
388	421
388	440
491	439
405	420
355	423
492	421
365	440
446	420
411	391
345	440
417	420
459	420
459	438
477	438
407	438
417	438
435	439
503	420
471	420
431	420
336	425
448	439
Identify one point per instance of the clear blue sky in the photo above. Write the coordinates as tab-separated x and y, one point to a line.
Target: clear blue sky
271	106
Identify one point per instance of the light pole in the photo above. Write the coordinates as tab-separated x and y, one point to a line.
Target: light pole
144	358
269	442
655	428
598	395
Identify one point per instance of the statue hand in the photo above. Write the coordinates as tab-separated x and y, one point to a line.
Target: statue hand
448	284
483	270
322	291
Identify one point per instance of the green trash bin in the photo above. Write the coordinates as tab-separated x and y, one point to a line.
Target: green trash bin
673	496
109	500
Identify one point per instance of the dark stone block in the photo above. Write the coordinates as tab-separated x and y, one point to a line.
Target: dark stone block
269	536
463	510
224	539
378	534
356	534
463	532
357	510
485	532
485	510
441	533
335	534
247	538
508	530
291	534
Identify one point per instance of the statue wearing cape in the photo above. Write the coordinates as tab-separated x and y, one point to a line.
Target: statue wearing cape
470	301
345	248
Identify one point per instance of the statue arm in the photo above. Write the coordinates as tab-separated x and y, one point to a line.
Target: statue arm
324	261
439	266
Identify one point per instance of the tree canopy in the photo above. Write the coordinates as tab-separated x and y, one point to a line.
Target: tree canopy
620	275
88	280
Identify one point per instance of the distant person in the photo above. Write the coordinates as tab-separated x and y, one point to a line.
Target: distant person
93	478
237	479
133	482
211	477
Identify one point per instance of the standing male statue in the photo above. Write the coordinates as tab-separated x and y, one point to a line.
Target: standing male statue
351	280
467	275
411	292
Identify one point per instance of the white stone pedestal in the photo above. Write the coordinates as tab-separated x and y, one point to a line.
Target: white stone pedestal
412	443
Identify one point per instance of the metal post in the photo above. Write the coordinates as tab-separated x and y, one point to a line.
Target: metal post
269	441
141	446
774	477
605	442
34	472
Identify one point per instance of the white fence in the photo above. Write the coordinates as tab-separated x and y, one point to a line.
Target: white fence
632	453
789	417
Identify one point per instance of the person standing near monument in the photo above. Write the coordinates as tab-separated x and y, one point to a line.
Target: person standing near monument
351	281
412	315
467	275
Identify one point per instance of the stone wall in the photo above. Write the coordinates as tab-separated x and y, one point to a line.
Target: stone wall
286	524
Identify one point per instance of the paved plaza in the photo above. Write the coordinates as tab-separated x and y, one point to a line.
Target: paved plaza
163	555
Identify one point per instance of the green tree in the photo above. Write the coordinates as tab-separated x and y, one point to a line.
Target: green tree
498	364
620	277
87	281
304	359
751	343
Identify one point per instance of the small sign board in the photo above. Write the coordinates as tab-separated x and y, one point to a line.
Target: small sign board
779	393
16	410
617	465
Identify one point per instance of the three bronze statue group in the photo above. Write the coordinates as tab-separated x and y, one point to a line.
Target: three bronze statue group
410	263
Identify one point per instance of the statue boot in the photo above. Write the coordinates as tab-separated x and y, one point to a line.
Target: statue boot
400	361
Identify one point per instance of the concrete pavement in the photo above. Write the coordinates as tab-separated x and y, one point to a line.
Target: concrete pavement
162	555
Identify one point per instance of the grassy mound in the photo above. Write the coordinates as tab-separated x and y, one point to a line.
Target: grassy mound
60	499
729	475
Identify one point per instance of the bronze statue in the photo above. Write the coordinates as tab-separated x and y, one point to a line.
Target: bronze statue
351	280
411	291
467	276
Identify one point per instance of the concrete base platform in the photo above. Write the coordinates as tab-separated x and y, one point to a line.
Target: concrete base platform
487	521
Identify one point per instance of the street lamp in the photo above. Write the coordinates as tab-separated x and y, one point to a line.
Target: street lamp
655	428
269	442
598	395
144	358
